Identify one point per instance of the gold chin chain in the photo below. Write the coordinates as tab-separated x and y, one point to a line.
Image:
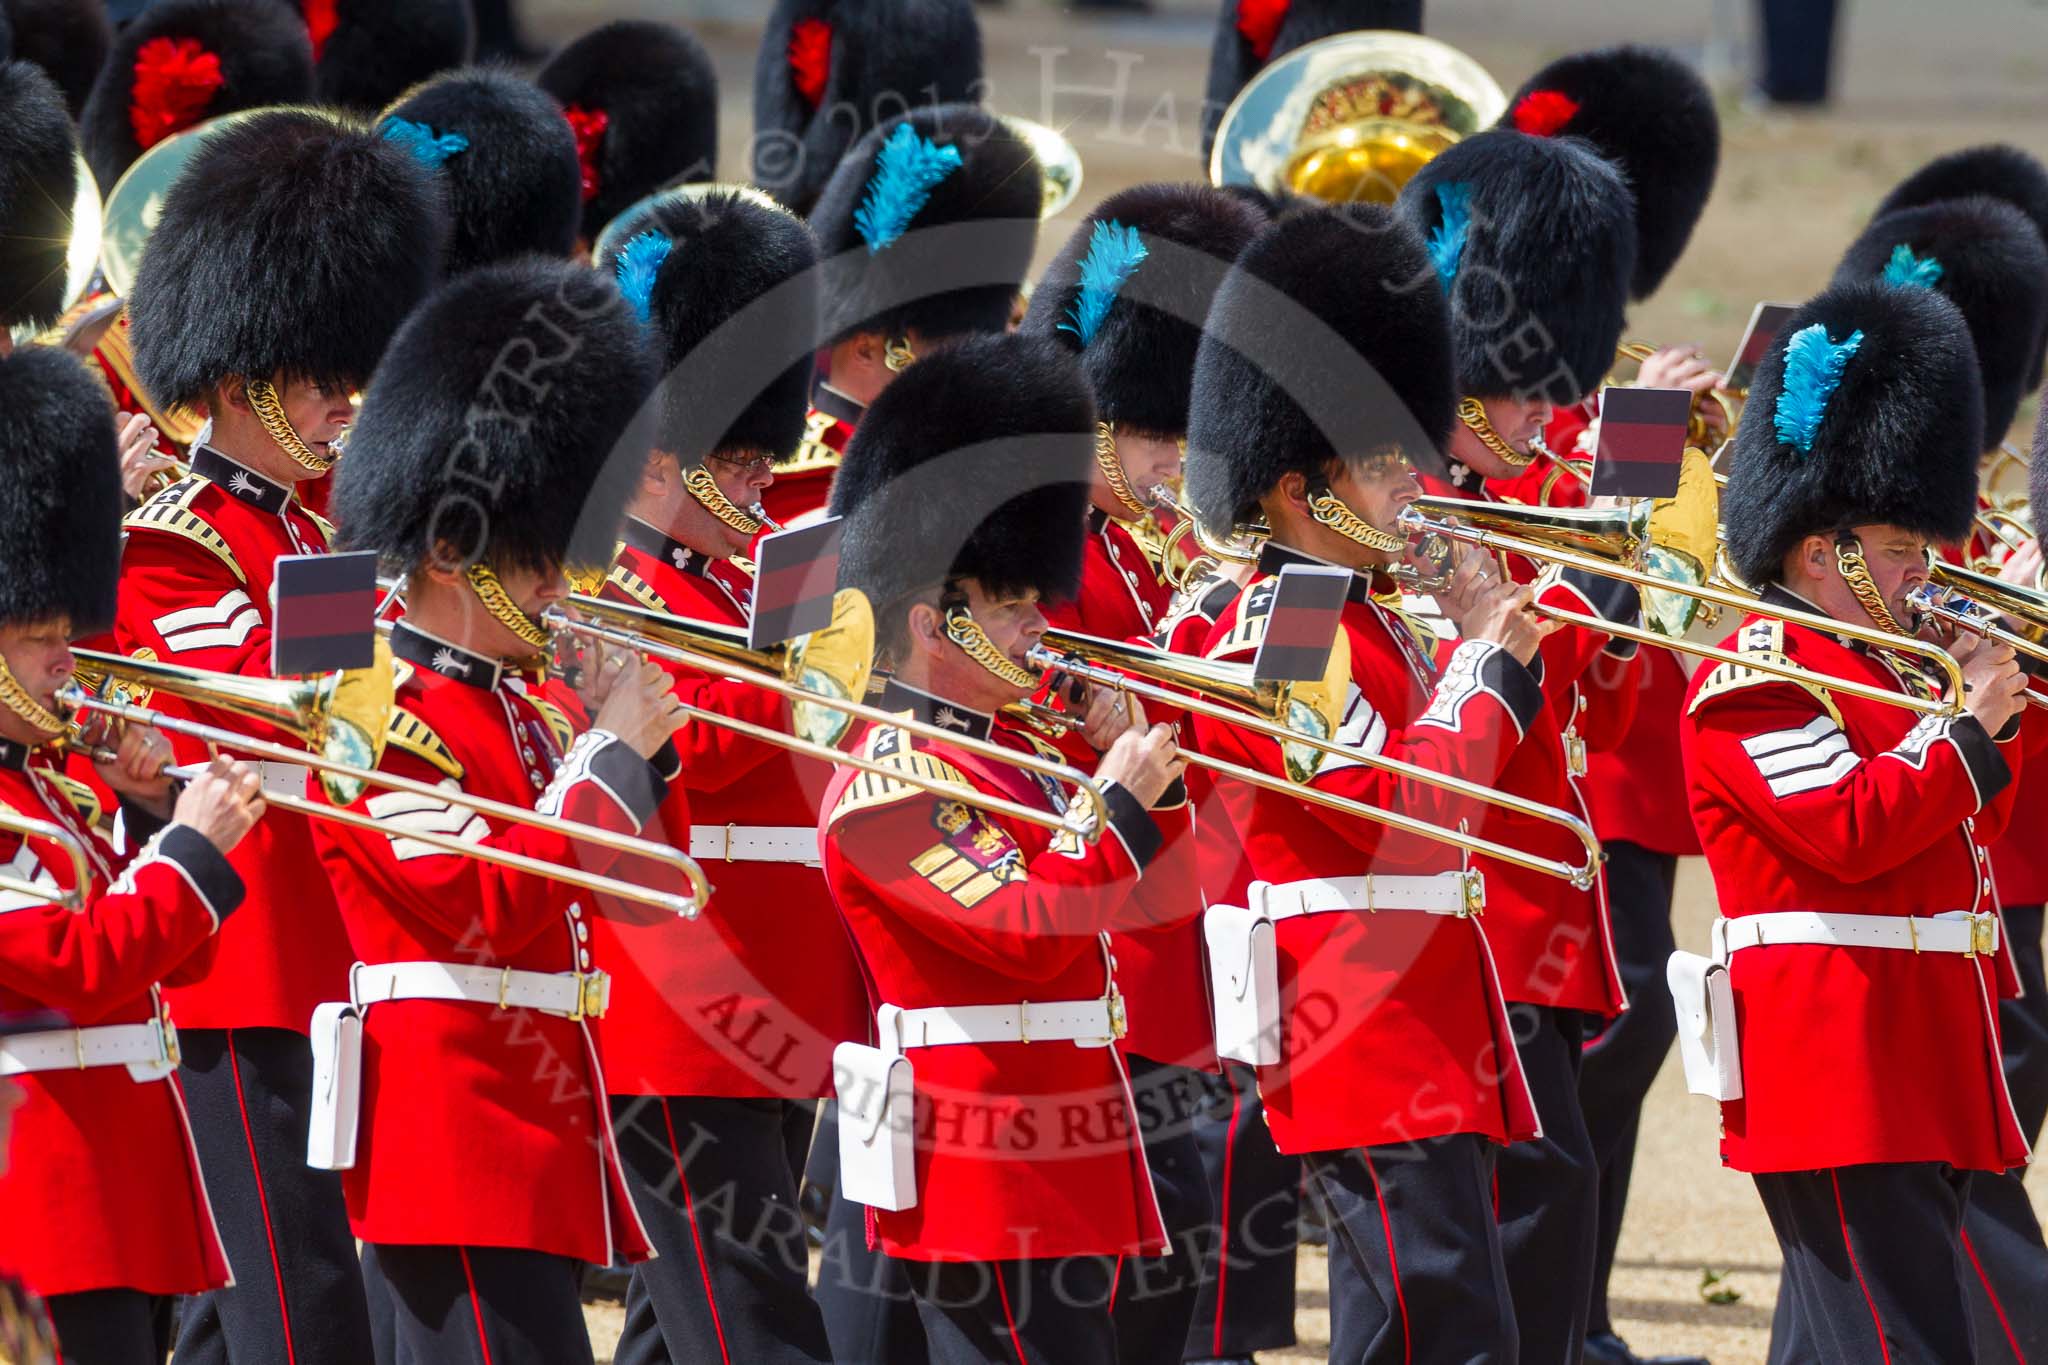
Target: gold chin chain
1113	469
897	355
1849	563
263	401
1325	508
705	490
489	591
963	630
1472	413
15	698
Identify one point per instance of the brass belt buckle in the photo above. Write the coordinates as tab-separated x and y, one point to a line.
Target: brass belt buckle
1983	936
593	995
167	1040
1119	1023
1574	752
1473	885
728	841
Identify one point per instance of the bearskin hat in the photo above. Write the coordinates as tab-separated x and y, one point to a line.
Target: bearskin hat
728	281
366	53
830	70
60	491
1647	111
1129	291
889	267
2037	467
38	181
974	463
1251	33
1996	170
457	452
1866	408
291	244
648	96
66	38
1988	260
182	62
1534	239
1302	364
507	161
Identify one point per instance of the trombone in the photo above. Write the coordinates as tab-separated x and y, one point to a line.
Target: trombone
1649	544
1181	568
1310	710
821	675
331	715
27	826
1697	433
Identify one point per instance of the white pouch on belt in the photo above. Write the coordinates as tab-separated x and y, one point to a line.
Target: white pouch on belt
337	1086
1244	984
1705	1000
877	1124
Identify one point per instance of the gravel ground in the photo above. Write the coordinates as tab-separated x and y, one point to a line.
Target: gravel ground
1915	80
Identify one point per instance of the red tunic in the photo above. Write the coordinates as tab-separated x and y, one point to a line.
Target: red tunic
1122	596
1392	1027
195	590
102	1189
1633	788
803	482
1851	1055
1024	1150
479	1126
752	1000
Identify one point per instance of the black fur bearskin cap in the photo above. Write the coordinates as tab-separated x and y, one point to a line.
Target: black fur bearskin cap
38	182
379	49
60	491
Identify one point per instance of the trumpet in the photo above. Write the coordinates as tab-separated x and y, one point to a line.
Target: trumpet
71	898
1666	548
332	716
1311	716
822	675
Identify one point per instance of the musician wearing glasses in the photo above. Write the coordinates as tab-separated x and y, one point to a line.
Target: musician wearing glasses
719	1042
483	1168
105	1212
287	253
1846	1012
905	207
1023	1180
1400	1103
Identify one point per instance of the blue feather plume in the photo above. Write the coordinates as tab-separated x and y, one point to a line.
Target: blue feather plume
1114	254
907	170
639	265
1909	271
1813	370
423	142
1447	239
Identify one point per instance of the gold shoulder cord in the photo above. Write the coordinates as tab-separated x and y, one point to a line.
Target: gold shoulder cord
489	591
963	630
705	490
1472	413
264	402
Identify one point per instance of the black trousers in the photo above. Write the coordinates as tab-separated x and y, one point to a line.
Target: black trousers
1798	38
1620	1063
713	1182
1548	1193
1245	1296
111	1326
1028	1312
478	1306
1154	1298
1874	1263
871	1316
1416	1272
298	1292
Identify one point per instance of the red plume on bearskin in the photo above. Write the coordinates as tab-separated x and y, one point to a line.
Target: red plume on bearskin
810	58
1259	21
1541	113
320	23
589	126
175	79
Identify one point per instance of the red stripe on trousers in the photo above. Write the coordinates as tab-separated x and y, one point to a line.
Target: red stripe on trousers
1992	1294
1008	1321
476	1305
262	1201
1223	1243
696	1237
1393	1262
1842	1216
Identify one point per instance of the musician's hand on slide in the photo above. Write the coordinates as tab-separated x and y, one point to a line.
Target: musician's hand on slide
1108	716
1144	762
223	803
640	704
136	769
1994	688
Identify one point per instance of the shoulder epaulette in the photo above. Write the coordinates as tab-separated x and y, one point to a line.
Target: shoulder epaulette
171	512
812	453
637	588
326	526
82	797
1248	631
558	721
892	749
1764	642
408	732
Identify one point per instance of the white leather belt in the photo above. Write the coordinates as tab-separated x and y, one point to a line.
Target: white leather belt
568	994
755	844
1085	1023
149	1051
1443	893
1954	931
